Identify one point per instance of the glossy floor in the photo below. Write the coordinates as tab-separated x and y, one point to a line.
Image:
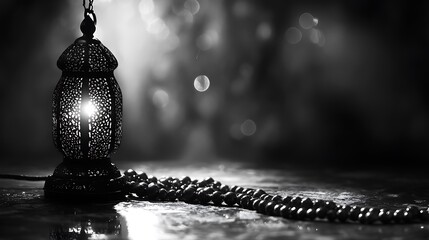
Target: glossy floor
25	214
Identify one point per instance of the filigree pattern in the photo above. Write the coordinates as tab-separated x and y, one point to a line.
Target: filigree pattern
87	102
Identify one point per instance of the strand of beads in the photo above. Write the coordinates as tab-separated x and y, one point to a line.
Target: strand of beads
208	191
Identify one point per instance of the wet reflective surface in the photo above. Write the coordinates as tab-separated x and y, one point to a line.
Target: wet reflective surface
25	214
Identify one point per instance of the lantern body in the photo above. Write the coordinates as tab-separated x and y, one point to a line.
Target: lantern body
87	123
87	103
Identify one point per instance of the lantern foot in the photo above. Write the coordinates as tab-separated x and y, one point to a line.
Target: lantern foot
77	181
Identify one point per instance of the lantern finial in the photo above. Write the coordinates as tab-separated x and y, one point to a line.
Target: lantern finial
88	24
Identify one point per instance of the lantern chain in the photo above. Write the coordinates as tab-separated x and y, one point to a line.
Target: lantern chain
90	7
89	10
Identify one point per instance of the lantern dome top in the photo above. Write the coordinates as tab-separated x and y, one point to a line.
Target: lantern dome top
87	55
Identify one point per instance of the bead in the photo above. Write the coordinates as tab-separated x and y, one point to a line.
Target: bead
413	214
203	183
161	185
188	194
239	190
331	205
413	210
250	192
209	180
342	215
131	186
162	194
256	203
321	212
142	176
152	179
301	213
331	215
261	206
224	188
408	217
346	208
277	199
263	196
375	210
203	197
311	214
364	210
306	203
385	216
195	182
141	189
361	218
176	183
208	190
186	180
258	193
371	216
286	200
217	184
268	198
230	198
424	215
233	188
171	196
152	191
130	173
354	213
293	213
269	208
276	210
319	203
217	198
398	216
295	202
164	182
179	193
244	202
284	211
251	202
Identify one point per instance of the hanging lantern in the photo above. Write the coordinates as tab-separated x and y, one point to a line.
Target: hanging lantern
87	119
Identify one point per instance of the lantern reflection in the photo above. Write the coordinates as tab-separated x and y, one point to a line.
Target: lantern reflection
143	220
88	227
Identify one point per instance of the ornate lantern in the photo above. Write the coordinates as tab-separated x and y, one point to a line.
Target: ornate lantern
87	119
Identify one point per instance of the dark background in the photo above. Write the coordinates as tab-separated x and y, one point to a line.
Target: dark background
357	96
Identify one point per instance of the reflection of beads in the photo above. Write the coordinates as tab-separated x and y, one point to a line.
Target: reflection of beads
208	191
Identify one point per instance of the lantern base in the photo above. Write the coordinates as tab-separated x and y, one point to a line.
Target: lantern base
83	181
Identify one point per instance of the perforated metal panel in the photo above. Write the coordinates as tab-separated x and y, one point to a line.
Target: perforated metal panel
87	102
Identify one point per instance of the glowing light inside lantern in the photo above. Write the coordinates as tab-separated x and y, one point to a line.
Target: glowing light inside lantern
89	109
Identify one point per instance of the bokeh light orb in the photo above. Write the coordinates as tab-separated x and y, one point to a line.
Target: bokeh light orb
264	31
307	21
160	98
193	6
201	83
207	40
317	37
293	35
248	128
